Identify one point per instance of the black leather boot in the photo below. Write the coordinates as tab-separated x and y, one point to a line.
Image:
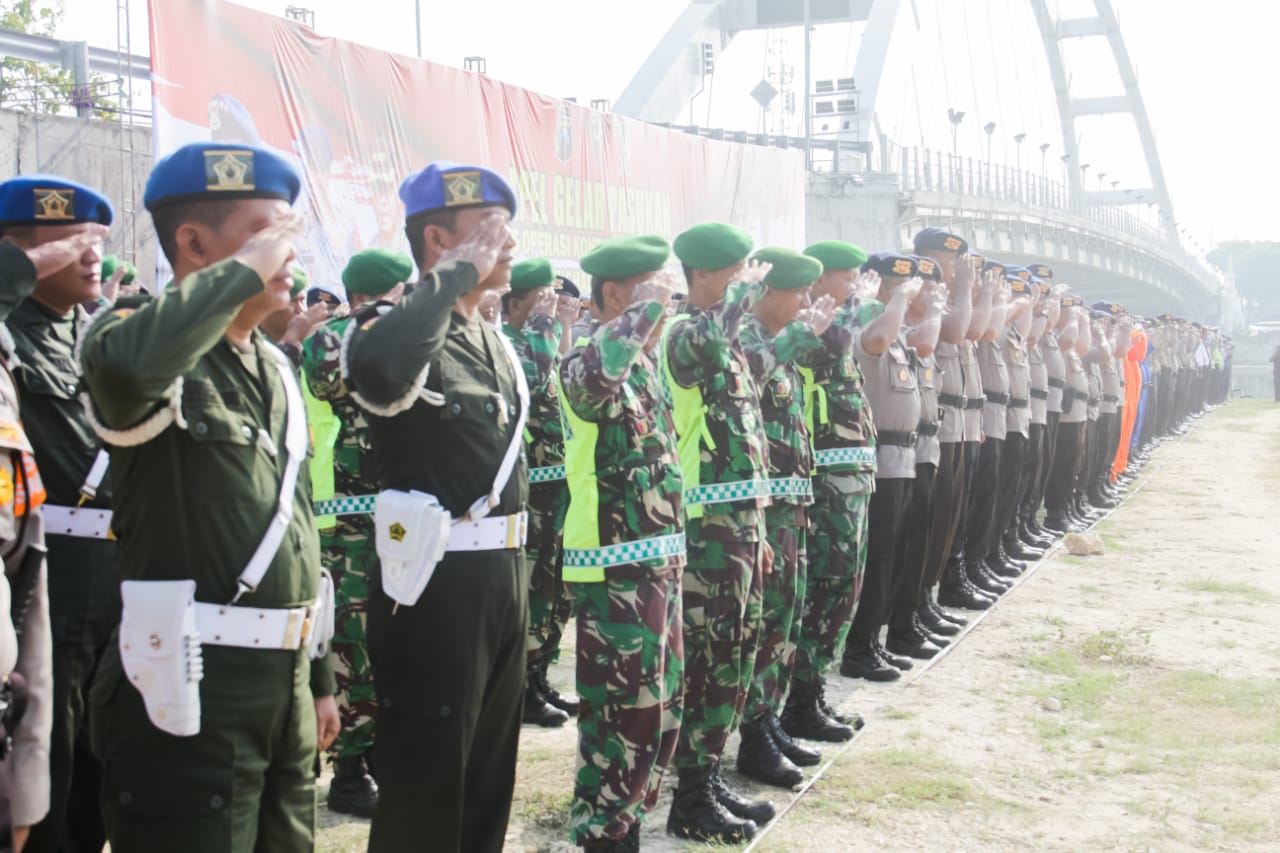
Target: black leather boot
852	720
801	716
352	791
759	757
758	812
981	577
905	640
896	661
553	697
696	812
537	711
956	590
796	752
935	624
931	603
939	640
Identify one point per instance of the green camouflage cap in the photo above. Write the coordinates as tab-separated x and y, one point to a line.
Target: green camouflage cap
837	255
532	274
624	257
712	246
373	272
791	270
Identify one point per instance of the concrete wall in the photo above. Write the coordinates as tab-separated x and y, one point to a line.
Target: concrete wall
95	153
859	209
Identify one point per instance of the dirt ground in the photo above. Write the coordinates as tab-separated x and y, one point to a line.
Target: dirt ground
1120	702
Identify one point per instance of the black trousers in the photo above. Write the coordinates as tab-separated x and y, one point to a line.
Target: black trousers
886	515
449	675
1062	475
909	573
1033	467
948	499
1014	475
980	530
972	451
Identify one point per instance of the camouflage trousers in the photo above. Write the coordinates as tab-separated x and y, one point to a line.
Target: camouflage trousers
782	594
836	556
347	550
722	584
549	603
630	658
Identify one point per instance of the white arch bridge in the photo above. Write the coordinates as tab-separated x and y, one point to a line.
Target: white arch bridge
866	188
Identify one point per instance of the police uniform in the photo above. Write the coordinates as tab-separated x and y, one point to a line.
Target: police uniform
347	548
724	460
1015	469
1060	488
26	648
766	752
84	601
538	345
624	558
443	396
217	545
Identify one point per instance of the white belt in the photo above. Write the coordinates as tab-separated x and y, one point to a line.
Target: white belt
81	522
489	534
255	627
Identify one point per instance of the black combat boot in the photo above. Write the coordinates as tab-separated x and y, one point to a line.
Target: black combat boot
796	752
852	720
905	640
931	604
630	843
939	640
352	791
758	812
934	623
537	710
759	757
553	697
981	576
696	812
889	658
956	590
862	661
803	718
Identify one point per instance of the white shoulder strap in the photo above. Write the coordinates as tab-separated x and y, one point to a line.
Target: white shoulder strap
418	391
481	507
296	439
151	426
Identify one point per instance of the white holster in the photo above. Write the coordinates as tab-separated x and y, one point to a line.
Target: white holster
322	632
160	651
412	537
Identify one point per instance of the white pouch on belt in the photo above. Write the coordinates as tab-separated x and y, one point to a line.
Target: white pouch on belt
324	616
412	537
160	651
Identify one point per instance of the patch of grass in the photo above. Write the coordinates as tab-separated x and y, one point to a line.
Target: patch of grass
904	778
1249	592
1088	588
1056	662
545	809
1116	545
900	714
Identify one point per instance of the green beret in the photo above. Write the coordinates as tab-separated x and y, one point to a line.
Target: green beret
111	263
837	255
712	246
373	272
532	274
624	257
791	270
300	279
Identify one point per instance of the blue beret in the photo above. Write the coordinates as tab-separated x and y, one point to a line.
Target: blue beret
449	186
888	263
988	266
1041	271
935	239
50	200
928	268
208	171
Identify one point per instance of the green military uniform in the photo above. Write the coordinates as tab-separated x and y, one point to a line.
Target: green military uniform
845	459
196	427
443	397
347	547
538	345
84	600
624	557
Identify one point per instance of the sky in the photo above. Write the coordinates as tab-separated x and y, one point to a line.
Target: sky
1203	70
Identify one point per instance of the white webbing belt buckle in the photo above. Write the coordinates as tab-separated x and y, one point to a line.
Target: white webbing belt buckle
489	534
77	521
255	627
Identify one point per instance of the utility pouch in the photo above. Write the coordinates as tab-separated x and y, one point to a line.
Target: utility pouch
160	651
412	537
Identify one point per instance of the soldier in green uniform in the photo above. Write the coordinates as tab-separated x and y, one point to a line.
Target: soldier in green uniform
536	321
724	458
843	435
347	547
84	600
624	547
210	749
782	327
447	402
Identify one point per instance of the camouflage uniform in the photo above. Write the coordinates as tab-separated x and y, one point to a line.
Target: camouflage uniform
347	548
630	651
723	582
844	455
538	345
790	464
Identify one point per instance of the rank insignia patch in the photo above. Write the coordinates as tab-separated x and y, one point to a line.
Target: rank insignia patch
228	170
461	188
55	205
397	531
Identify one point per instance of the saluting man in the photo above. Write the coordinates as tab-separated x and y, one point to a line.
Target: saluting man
84	599
447	402
217	542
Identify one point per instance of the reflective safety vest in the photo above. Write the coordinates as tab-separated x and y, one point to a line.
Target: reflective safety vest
325	428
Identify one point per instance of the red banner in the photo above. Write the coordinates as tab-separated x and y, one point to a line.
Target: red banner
357	120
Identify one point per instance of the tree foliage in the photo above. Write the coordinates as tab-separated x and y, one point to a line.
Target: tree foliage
32	86
1254	264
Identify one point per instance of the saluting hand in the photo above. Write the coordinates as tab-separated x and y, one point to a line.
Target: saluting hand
910	288
267	252
866	286
966	271
49	258
484	247
567	310
544	305
304	325
657	288
111	287
819	315
754	272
